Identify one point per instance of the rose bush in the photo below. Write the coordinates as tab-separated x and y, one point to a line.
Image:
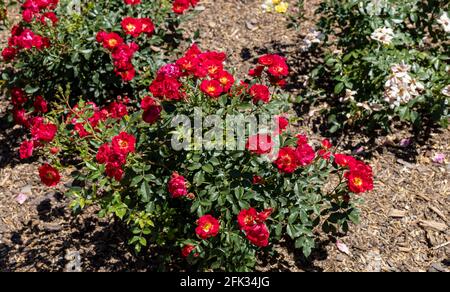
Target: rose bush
388	63
98	49
230	192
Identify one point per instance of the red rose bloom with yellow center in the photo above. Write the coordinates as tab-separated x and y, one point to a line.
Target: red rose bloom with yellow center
207	226
211	88
287	161
124	143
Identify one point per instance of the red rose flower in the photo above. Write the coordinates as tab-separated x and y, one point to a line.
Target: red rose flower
359	177
132	2
256	72
259	144
81	130
257	180
207	226
262	216
267	60
258	235
250	217
20	117
147	102
26	149
152	110
282	124
103	154
170	70
114	171
117	159
51	16
40	105
211	88
111	40
324	154
147	26
132	26
252	223
177	186
187	250
247	218
18	97
43	132
326	144
213	67
117	110
54	150
127	75
124	143
305	154
344	160
100	36
187	64
287	160
260	92
166	88
180	6
49	175
225	79
27	15
9	54
279	70
301	139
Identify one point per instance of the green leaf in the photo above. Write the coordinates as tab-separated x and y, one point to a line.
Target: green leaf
338	88
136	180
354	216
306	244
30	89
145	192
293	217
91	166
120	211
208	168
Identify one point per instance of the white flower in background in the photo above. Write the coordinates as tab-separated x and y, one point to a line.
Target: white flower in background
446	91
312	37
400	88
383	35
416	86
337	52
267	6
376	107
401	71
444	20
349	95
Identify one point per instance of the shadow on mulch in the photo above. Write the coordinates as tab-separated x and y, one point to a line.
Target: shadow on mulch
278	261
10	140
56	241
48	243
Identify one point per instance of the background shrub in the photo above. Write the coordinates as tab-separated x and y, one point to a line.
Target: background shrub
359	79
